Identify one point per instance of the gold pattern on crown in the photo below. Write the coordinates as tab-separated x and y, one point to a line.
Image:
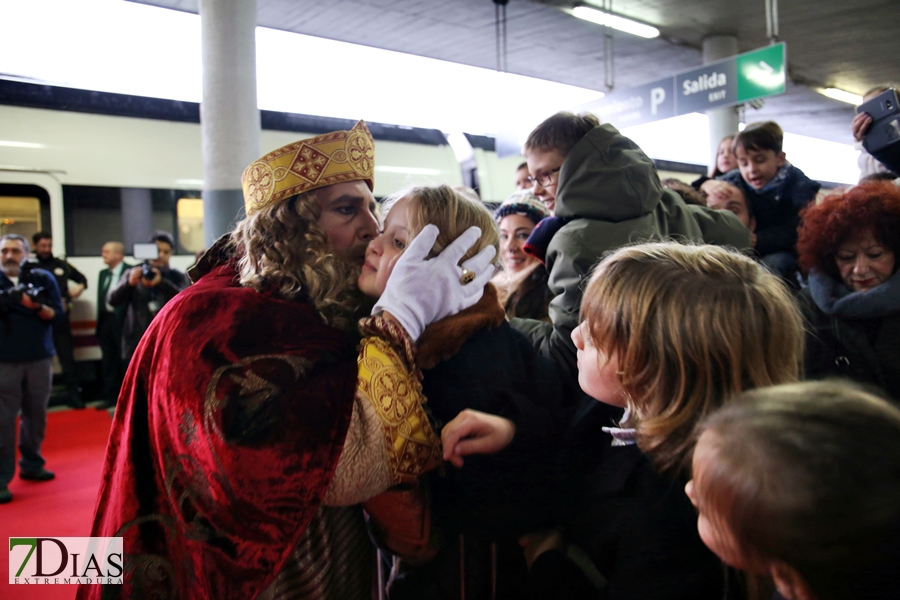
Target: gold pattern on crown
306	165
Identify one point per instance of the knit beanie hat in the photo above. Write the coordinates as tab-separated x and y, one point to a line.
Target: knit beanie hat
522	203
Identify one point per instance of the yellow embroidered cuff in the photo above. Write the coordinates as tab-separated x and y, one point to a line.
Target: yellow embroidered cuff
410	444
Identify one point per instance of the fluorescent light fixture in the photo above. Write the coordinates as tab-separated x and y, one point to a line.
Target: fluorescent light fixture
12	144
197	182
615	21
408	170
841	95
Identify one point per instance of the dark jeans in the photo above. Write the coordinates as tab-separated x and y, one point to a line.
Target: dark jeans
109	333
24	386
62	341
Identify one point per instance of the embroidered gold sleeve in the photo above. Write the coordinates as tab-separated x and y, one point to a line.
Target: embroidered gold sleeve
410	445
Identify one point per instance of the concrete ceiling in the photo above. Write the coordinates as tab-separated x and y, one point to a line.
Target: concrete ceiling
835	43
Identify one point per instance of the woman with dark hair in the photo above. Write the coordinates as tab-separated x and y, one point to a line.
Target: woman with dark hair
522	283
849	244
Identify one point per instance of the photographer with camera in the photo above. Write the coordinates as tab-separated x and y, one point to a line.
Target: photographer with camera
145	290
30	305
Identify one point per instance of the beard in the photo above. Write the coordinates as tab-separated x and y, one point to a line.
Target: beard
355	256
10	268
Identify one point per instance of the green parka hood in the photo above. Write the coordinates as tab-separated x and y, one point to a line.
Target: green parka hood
604	159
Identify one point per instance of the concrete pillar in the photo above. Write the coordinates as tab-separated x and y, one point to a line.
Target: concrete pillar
722	121
137	217
229	117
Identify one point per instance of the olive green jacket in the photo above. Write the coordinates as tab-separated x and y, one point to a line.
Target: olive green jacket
611	191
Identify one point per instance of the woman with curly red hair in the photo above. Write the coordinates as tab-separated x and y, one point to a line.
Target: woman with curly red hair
849	245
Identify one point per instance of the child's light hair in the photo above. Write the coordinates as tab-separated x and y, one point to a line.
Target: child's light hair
452	210
690	326
808	475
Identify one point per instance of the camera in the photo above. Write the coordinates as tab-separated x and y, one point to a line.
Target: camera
885	129
146	252
146	271
13	296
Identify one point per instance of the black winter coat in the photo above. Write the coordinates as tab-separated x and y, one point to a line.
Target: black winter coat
637	527
139	299
864	350
777	211
476	360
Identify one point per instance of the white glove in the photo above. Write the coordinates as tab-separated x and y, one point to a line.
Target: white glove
420	292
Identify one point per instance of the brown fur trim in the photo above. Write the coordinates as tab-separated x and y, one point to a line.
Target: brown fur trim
443	339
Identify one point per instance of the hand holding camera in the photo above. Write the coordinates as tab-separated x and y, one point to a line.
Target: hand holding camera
877	122
27	295
860	126
149	275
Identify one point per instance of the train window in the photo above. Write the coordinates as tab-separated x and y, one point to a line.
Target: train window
190	223
24	209
95	215
92	218
20	215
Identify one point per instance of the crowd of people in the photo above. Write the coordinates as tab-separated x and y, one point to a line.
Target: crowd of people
37	295
608	387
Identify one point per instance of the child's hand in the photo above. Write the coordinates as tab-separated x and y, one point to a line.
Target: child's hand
473	432
860	125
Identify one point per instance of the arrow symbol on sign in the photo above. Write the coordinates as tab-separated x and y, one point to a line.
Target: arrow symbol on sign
766	67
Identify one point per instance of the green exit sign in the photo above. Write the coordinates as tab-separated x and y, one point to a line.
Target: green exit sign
733	80
761	73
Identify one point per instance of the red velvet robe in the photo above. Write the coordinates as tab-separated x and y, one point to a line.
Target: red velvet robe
228	430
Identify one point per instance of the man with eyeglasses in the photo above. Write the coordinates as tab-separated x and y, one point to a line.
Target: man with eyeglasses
604	193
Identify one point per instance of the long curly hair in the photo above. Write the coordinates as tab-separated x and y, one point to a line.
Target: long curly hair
282	248
825	226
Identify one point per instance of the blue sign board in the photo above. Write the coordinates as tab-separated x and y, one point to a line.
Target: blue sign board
727	82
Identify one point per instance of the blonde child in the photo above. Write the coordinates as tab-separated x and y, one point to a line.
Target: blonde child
668	332
801	483
471	360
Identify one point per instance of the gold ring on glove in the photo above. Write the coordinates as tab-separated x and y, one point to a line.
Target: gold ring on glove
467	276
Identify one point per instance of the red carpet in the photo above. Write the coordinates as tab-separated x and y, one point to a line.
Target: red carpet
64	507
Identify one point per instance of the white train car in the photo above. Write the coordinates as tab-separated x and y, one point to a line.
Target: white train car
69	157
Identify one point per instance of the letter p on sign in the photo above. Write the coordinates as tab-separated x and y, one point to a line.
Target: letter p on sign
657	97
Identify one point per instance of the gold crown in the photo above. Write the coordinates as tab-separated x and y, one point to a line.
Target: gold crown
306	165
